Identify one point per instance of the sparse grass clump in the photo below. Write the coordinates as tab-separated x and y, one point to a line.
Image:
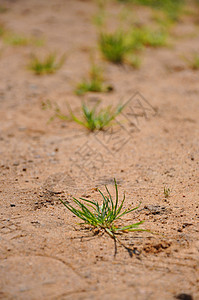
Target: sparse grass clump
16	39
143	36
105	215
172	8
114	46
134	61
193	62
48	65
167	192
48	105
2	30
3	9
94	119
118	47
99	18
95	83
155	38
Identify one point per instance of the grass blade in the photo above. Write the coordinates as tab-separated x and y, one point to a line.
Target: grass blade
135	225
128	211
116	201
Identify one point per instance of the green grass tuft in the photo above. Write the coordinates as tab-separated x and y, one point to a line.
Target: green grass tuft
2	30
12	38
144	36
103	216
167	192
117	47
193	62
172	8
94	119
134	61
3	9
48	65
114	46
15	39
94	84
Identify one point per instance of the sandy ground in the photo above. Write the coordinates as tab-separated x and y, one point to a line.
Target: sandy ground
44	253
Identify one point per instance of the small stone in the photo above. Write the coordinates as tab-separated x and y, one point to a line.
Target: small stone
12	205
22	128
184	297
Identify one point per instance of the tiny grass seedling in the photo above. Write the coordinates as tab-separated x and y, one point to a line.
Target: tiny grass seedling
172	8
16	39
162	20
99	18
94	119
48	65
94	84
45	105
104	216
114	46
2	30
134	61
193	62
155	38
145	37
167	192
3	9
118	47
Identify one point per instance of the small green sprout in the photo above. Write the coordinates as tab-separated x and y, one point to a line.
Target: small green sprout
134	61
104	216
3	9
145	37
172	8
114	46
94	84
2	30
48	65
94	119
167	192
193	62
119	46
155	38
48	105
99	18
16	39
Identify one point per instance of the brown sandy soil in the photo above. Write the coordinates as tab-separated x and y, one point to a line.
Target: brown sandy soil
44	253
